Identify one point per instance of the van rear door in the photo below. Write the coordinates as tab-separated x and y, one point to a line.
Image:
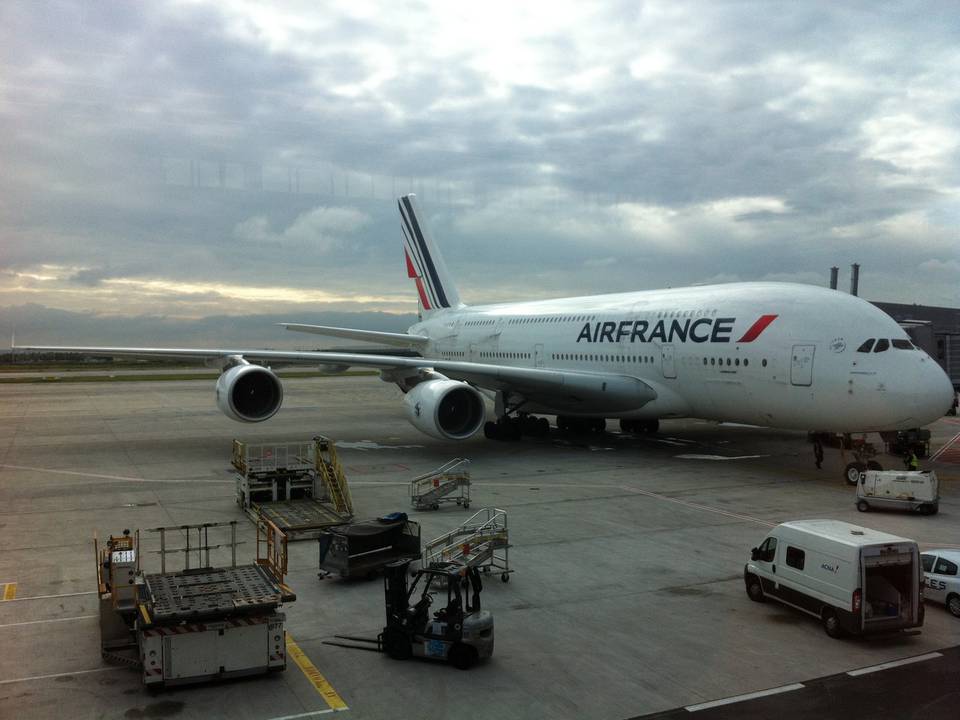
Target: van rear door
890	587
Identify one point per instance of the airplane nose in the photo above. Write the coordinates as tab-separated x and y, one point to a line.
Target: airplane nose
934	394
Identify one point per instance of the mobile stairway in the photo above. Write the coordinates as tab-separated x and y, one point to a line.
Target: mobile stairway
447	484
482	542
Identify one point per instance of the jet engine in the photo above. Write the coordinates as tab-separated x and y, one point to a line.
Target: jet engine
445	409
249	393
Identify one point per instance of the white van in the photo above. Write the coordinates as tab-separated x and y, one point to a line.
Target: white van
854	579
914	490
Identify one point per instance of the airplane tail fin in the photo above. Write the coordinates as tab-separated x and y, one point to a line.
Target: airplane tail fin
424	263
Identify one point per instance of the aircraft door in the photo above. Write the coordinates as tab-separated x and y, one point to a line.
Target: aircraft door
474	353
801	365
669	363
538	355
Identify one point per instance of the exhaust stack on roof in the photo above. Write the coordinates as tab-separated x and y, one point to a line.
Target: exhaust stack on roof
854	278
834	272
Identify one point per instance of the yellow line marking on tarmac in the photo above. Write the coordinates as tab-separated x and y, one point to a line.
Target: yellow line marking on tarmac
315	677
9	591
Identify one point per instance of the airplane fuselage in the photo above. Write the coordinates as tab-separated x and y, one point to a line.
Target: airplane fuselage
773	354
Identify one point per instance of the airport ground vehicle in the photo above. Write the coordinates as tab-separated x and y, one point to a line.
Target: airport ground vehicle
855	580
459	631
916	490
362	549
941	581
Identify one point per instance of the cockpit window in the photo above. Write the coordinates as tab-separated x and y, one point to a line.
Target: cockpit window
903	345
882	344
867	345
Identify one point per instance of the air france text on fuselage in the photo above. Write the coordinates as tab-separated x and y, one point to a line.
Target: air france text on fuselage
702	330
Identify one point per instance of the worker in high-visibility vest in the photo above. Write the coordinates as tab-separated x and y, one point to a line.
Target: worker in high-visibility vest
912	462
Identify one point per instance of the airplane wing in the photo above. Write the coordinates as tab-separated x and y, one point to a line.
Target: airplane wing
387	338
555	388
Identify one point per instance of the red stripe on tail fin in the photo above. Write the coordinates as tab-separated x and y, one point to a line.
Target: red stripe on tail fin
411	273
758	327
423	294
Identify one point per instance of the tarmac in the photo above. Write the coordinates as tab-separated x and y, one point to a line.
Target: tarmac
626	598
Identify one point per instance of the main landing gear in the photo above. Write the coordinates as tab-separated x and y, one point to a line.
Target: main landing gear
640	427
513	428
864	453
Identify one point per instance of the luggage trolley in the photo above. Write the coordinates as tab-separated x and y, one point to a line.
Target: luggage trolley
448	483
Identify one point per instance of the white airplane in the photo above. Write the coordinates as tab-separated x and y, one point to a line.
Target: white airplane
771	354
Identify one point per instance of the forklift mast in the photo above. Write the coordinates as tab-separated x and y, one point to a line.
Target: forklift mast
395	589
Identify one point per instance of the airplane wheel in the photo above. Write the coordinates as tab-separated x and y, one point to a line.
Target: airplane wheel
505	577
852	472
651	426
628	426
863	506
490	430
544	426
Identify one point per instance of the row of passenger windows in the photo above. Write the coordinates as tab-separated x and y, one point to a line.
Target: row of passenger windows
586	318
506	355
883	344
605	358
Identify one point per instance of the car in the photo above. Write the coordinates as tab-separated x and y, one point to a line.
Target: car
941	581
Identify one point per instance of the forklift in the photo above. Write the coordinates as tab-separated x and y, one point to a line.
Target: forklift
458	632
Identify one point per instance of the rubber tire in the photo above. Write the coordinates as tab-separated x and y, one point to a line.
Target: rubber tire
863	505
396	644
953	604
831	624
490	430
755	589
505	577
628	426
853	470
466	506
874	465
461	656
651	426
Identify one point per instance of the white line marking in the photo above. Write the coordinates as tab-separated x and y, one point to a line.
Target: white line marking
893	664
697	506
741	698
305	715
48	597
63	674
945	447
38	622
121	478
718	457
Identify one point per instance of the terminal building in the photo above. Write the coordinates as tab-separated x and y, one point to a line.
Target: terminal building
935	329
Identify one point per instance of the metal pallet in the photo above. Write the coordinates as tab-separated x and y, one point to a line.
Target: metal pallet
209	592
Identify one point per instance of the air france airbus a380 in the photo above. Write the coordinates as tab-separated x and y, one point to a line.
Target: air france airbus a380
772	354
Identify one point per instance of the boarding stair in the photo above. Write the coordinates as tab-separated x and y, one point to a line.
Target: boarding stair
448	483
328	466
482	542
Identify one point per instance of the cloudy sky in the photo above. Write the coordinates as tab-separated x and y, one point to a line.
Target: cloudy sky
170	164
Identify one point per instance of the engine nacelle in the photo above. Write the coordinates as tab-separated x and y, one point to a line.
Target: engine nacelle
445	409
249	393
